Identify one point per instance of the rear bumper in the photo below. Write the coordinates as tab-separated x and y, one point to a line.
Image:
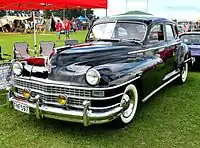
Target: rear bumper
86	116
193	60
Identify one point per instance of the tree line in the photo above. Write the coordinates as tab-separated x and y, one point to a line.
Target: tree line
68	13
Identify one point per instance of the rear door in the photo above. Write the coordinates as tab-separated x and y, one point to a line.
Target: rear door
173	42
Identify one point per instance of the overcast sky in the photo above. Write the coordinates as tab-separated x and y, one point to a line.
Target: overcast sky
182	9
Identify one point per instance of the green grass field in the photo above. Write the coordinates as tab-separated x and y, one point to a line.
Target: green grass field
7	40
171	118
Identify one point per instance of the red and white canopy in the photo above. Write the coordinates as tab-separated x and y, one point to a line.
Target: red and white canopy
50	4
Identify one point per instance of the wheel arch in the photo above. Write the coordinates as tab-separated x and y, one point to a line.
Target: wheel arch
138	84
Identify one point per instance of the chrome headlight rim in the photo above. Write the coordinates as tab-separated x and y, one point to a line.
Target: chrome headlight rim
97	75
20	68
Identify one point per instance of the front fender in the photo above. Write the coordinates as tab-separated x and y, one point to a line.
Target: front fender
117	73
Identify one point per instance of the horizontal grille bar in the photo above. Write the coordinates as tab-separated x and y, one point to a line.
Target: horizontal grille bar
54	89
53	99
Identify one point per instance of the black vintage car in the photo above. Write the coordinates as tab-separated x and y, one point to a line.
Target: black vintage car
126	59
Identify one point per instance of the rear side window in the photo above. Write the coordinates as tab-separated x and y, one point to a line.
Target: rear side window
170	34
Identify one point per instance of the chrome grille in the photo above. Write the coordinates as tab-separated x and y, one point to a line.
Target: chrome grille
54	89
49	93
52	99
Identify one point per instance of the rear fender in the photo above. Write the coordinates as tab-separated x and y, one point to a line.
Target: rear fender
183	54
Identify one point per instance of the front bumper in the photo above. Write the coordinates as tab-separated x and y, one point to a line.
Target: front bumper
86	116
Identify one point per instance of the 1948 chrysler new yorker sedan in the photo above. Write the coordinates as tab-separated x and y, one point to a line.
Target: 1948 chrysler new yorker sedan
126	59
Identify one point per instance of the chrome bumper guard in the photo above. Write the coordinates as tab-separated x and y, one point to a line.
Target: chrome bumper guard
86	116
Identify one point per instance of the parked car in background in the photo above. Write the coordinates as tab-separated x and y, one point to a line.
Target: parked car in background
126	60
192	39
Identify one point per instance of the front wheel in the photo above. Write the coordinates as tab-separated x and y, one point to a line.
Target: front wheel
129	102
183	73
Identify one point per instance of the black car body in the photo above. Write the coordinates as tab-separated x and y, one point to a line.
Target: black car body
126	60
192	40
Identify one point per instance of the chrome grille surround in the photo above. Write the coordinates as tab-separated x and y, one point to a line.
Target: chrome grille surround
49	92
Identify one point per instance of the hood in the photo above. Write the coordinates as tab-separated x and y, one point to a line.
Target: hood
71	65
195	50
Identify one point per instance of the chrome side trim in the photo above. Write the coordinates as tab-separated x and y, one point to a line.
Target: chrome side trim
187	60
148	49
48	82
145	50
79	97
169	75
160	87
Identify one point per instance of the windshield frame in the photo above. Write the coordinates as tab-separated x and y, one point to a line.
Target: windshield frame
132	22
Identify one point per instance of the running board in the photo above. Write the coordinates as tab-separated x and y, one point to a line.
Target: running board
159	88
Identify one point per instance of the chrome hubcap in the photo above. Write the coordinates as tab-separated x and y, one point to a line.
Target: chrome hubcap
128	105
128	111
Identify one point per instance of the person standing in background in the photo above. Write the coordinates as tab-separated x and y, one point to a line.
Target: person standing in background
185	29
74	27
58	29
67	28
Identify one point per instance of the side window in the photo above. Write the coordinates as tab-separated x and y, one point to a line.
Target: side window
156	34
170	33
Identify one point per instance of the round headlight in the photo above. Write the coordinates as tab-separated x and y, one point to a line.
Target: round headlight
17	68
93	77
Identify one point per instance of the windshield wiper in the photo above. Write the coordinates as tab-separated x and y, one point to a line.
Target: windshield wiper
121	40
137	41
109	40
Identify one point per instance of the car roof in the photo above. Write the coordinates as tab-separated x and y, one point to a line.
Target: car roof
140	18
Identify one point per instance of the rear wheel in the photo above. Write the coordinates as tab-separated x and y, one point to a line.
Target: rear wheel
183	73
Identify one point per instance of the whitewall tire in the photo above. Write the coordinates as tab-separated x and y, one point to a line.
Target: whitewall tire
183	73
129	102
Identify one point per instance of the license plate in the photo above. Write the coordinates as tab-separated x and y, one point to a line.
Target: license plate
21	107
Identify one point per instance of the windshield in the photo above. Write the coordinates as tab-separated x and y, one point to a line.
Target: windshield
118	30
191	38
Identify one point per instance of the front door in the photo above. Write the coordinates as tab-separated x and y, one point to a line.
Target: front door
157	44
